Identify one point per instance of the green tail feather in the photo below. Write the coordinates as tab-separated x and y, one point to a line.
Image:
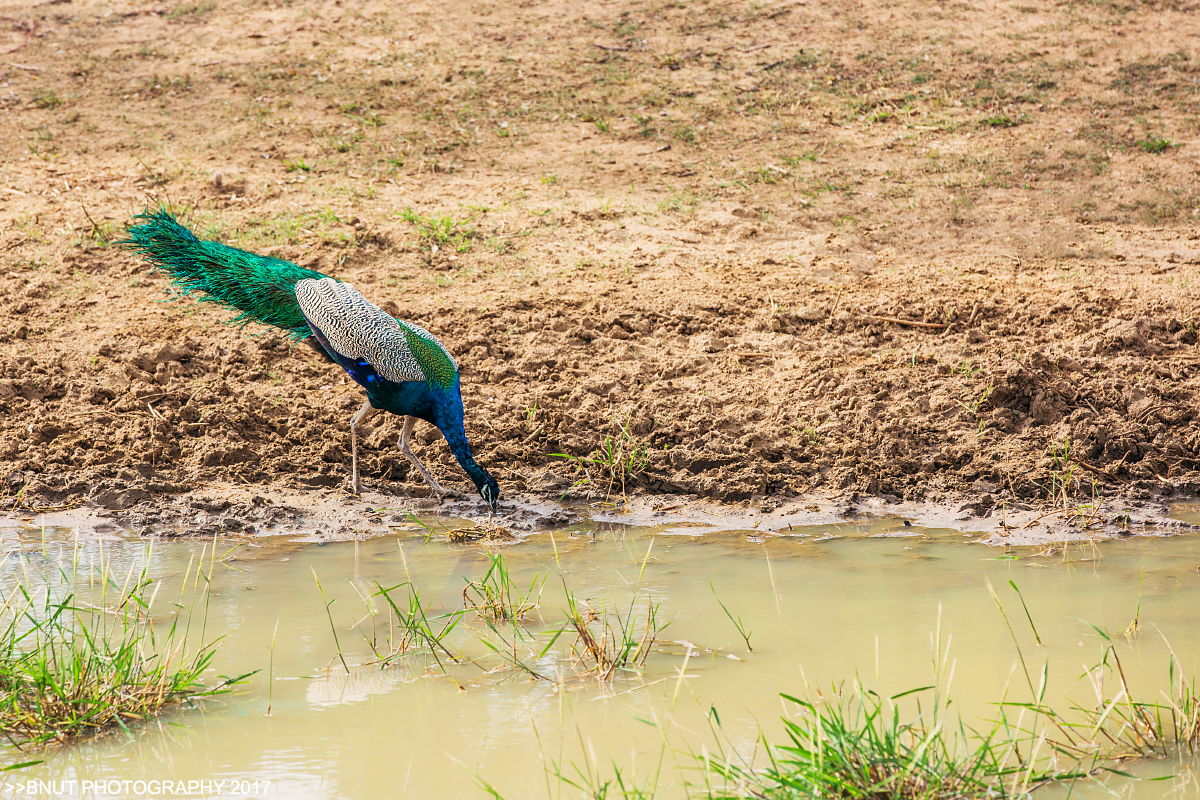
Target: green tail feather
260	287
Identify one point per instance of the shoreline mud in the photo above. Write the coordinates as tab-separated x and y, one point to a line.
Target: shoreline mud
317	516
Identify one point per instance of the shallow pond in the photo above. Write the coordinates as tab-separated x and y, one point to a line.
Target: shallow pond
822	607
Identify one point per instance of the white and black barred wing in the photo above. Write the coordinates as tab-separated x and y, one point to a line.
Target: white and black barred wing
358	329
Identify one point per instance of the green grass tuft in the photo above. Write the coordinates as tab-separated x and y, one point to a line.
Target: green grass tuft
1156	145
857	744
80	656
1000	121
497	597
441	230
860	746
619	459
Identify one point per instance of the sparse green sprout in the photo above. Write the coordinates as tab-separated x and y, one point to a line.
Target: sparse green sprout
808	155
441	230
370	119
737	621
498	244
685	133
1000	121
771	174
47	100
966	369
619	458
1156	145
496	595
1062	475
103	233
683	201
297	165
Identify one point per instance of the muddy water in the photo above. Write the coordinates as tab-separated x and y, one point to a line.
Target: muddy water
822	606
1188	512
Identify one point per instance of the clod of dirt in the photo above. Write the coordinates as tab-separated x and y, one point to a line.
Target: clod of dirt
488	533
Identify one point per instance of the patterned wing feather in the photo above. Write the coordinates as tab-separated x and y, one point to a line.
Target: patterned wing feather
358	329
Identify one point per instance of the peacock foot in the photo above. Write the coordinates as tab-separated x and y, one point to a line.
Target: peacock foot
441	493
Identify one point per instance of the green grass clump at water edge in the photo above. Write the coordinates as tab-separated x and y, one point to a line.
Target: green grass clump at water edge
81	653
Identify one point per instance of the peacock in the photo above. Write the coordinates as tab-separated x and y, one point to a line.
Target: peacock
404	369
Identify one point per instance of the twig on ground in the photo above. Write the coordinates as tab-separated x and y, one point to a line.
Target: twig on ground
837	301
1100	472
909	322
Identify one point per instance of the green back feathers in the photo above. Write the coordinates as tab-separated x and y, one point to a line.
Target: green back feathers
260	287
434	360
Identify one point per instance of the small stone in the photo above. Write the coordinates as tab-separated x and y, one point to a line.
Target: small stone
810	314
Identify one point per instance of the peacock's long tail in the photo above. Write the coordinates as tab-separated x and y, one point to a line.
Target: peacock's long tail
259	287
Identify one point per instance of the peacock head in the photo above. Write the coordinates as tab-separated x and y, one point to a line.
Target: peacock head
489	490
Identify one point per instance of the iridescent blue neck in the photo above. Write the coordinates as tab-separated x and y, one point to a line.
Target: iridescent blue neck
448	416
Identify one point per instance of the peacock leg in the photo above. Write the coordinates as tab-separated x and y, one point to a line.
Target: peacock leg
405	432
359	418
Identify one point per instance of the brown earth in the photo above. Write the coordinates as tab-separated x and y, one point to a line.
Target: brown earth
934	251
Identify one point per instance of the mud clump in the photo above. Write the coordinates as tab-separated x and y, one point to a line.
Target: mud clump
487	533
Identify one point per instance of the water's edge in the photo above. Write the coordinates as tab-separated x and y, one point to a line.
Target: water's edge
328	515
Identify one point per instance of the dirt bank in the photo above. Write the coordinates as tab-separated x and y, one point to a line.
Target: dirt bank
762	251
